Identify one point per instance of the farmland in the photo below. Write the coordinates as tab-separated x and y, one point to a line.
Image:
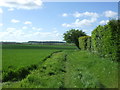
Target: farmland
56	66
17	57
59	45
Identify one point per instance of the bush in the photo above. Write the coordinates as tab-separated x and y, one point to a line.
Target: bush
15	75
89	43
106	40
85	43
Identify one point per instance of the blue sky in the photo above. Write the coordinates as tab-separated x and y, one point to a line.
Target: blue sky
39	21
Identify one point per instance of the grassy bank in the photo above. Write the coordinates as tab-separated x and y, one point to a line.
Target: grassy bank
71	69
86	70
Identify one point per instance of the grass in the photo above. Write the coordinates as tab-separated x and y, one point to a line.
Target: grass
47	47
68	68
49	74
89	70
16	58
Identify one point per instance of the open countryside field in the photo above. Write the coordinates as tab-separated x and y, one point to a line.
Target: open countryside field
59	44
56	66
22	55
18	57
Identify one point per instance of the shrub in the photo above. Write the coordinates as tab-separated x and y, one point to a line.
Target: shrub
15	75
89	43
106	40
85	43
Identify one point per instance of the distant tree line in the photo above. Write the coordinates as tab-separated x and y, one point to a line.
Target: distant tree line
45	42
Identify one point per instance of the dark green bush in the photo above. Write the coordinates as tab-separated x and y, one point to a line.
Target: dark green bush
106	40
85	43
89	43
15	75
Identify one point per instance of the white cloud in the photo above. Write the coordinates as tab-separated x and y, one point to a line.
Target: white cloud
77	14
92	18
110	14
21	4
37	29
64	14
91	14
46	34
1	11
1	24
87	31
66	25
10	9
33	28
103	22
13	34
80	23
15	21
24	27
27	22
84	14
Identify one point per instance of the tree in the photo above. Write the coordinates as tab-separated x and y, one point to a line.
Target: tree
72	36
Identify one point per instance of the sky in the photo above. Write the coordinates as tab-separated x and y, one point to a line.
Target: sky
34	20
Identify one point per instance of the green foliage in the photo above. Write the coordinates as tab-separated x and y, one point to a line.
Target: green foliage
89	43
48	75
71	69
15	75
19	60
85	43
106	40
72	36
67	69
87	70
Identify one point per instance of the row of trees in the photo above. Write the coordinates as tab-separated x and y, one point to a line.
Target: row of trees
72	36
105	40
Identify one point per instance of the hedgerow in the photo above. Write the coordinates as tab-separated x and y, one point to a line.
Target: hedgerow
105	40
85	43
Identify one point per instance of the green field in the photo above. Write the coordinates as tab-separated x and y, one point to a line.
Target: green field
16	56
56	66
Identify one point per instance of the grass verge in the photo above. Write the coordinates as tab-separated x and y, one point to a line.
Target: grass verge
71	69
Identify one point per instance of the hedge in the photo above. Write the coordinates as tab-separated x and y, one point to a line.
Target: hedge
106	40
85	43
89	43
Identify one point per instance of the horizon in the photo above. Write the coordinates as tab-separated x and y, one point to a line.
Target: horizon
35	41
47	21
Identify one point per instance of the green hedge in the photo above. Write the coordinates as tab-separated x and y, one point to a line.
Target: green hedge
106	40
85	43
89	43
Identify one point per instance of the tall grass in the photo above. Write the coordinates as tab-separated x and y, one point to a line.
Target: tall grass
91	71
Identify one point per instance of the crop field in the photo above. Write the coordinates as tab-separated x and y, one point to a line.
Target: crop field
56	66
17	57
